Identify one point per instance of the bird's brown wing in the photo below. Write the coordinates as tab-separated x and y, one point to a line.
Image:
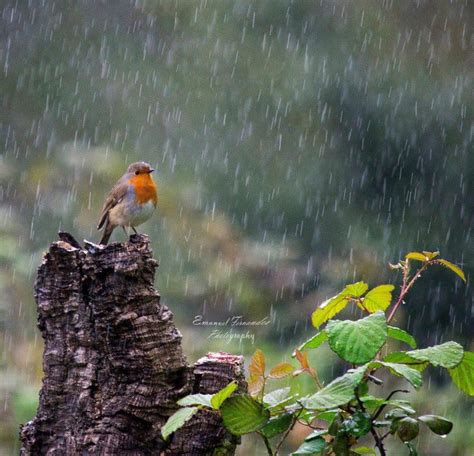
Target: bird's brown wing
113	198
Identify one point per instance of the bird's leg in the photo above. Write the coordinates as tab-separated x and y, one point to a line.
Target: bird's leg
125	230
134	230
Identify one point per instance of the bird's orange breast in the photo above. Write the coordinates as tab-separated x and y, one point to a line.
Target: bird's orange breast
145	188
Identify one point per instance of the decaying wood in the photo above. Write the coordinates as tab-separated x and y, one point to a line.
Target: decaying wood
113	363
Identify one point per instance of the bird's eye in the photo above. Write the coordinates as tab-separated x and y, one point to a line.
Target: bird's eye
137	173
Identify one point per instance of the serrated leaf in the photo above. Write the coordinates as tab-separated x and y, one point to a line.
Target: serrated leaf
196	399
177	420
314	342
412	375
416	256
242	414
438	424
277	397
358	341
463	374
338	392
401	335
257	363
447	355
379	298
403	358
219	397
456	269
277	425
334	305
281	370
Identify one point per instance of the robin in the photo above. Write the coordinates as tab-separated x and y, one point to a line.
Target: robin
131	201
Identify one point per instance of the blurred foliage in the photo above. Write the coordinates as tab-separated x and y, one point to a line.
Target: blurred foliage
294	141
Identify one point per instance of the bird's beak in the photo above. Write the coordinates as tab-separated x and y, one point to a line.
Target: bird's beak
151	170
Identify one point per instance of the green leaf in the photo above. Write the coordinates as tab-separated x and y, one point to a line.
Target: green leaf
411	449
334	305
340	391
412	375
463	374
315	341
277	425
364	450
447	355
218	398
355	289
456	269
196	399
242	414
407	429
277	397
401	335
358	341
403	358
313	447
177	420
416	256
378	298
358	424
437	424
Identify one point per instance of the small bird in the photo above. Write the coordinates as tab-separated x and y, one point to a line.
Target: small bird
131	201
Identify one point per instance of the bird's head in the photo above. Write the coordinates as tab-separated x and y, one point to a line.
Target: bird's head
140	168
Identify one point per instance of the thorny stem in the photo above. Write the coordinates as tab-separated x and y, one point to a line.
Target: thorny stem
406	285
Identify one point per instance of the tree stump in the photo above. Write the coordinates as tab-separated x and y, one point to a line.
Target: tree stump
113	362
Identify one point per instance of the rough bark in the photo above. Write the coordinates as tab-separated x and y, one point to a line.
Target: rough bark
113	363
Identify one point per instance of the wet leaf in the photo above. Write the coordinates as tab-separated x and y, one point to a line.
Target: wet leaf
338	392
447	355
358	341
408	429
463	373
412	375
401	335
312	447
437	424
277	425
242	414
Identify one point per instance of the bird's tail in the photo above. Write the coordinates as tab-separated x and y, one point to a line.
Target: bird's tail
107	232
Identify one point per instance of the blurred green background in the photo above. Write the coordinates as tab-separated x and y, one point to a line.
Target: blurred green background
300	145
